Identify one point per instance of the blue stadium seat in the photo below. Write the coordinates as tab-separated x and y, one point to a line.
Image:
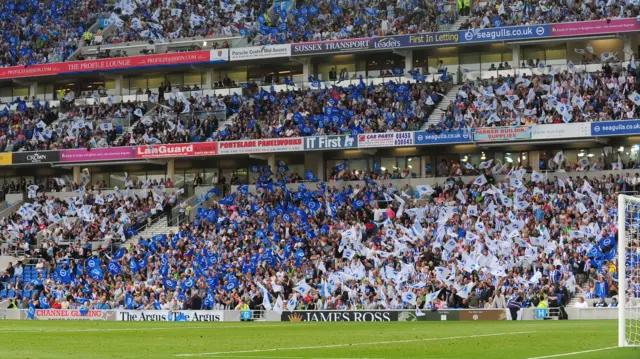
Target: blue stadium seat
3	293
11	293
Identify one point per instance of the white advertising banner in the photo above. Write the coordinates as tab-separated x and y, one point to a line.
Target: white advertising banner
259	52
72	314
560	130
261	146
170	316
385	139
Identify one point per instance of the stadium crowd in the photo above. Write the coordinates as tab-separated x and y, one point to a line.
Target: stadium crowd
50	32
548	96
488	14
43	32
488	243
85	215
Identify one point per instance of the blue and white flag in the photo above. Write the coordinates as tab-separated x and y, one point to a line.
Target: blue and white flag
64	275
635	97
302	287
114	268
128	301
292	303
409	297
31	313
480	181
341	167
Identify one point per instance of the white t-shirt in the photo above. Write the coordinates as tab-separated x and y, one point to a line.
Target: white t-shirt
582	305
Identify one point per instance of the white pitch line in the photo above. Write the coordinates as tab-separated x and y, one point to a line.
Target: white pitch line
62	330
352	344
573	353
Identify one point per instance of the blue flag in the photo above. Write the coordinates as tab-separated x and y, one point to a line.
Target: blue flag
341	167
64	275
187	284
114	268
169	283
128	301
31	313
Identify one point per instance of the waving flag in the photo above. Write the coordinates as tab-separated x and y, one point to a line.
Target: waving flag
302	287
114	268
480	181
408	297
64	275
292	303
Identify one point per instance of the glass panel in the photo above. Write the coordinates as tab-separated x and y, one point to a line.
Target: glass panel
175	79
414	166
20	92
387	164
137	85
116	179
209	173
192	79
154	82
358	165
524	157
571	157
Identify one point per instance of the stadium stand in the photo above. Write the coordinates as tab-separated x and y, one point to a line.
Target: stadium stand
496	241
443	181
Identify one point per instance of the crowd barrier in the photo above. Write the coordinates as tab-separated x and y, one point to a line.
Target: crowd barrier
447	315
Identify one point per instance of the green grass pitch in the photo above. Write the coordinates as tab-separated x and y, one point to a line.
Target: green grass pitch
410	340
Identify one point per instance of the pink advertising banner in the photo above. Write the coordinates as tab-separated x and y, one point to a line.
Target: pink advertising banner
97	154
595	27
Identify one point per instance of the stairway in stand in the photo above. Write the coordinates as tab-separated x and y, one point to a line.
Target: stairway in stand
159	227
441	107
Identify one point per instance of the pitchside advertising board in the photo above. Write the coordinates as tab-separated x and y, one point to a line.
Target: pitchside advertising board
394	316
340	316
170	316
330	142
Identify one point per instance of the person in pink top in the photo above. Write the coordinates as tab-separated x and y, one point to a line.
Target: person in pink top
390	213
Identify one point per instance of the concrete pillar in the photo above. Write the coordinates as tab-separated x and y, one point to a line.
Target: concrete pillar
271	161
408	61
627	48
76	175
171	169
515	62
208	80
33	90
118	90
306	69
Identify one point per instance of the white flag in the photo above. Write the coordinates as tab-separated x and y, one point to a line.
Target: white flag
537	177
485	164
408	297
425	189
558	158
292	303
302	287
278	307
480	181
